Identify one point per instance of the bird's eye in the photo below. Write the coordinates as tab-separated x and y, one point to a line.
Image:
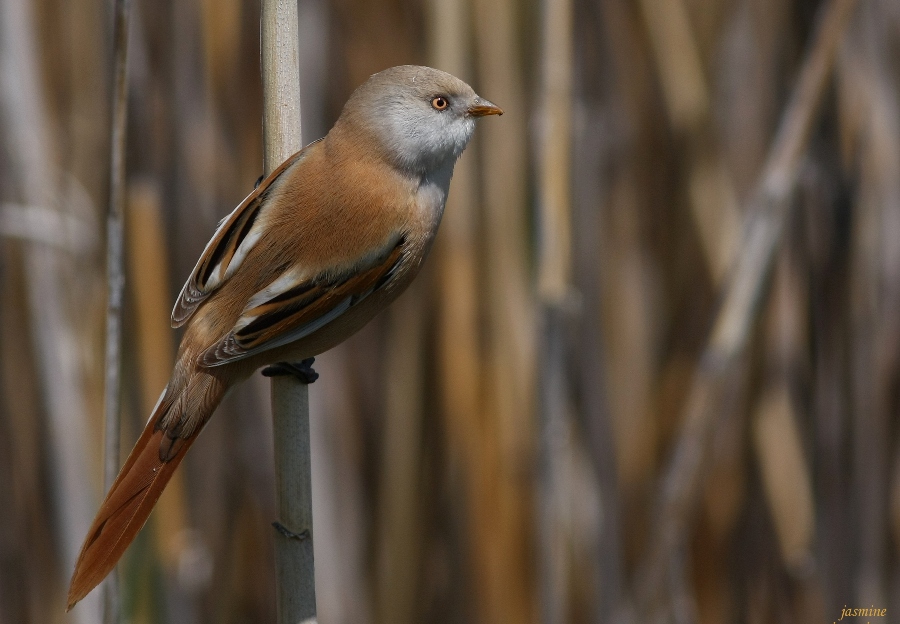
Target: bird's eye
440	103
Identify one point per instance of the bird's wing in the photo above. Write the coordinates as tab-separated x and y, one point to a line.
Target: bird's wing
228	247
293	307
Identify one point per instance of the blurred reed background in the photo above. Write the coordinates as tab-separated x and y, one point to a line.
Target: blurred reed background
544	428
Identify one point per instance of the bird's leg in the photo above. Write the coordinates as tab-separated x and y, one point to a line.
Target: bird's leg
301	370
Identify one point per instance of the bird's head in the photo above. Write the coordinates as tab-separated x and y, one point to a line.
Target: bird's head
419	118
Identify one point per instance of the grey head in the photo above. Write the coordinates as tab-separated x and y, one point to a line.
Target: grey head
420	118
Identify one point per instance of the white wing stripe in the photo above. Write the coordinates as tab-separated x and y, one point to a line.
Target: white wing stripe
297	334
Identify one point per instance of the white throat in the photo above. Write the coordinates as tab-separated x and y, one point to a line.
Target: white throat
432	193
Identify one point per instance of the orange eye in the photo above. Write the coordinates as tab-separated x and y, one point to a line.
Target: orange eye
440	103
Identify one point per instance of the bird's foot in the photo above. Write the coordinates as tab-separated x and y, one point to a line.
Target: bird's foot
301	370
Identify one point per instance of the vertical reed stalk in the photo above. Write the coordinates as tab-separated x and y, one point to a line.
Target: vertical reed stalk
115	277
505	435
554	286
295	570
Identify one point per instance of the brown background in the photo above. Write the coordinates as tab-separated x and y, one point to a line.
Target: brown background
494	448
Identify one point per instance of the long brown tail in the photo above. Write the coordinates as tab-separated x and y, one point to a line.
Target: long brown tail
139	485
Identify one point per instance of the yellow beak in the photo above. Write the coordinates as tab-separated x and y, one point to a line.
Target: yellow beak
482	108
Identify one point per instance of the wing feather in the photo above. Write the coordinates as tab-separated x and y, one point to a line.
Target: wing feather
233	239
300	310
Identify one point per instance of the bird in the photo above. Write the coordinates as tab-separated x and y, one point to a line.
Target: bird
313	253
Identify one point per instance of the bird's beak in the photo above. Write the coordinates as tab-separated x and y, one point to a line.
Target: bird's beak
481	108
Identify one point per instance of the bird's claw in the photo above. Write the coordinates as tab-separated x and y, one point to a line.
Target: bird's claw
301	370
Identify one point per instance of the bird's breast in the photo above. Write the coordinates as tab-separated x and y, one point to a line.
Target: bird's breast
431	196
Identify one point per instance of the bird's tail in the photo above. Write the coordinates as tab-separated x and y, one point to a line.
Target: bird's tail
144	476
